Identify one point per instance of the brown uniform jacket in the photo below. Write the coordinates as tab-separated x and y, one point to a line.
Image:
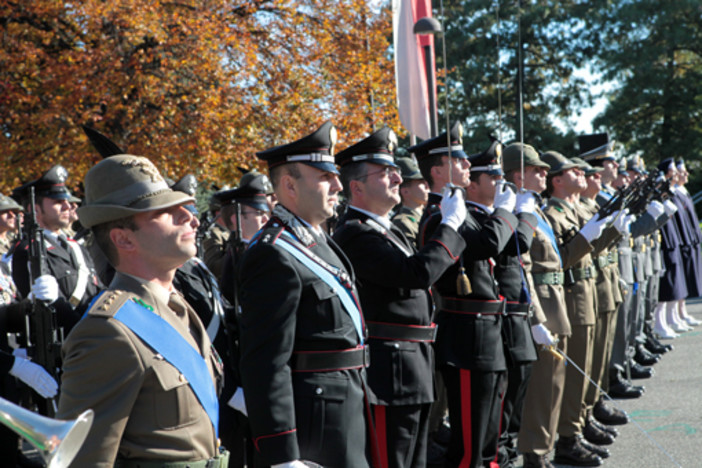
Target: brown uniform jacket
609	294
407	221
580	297
214	247
548	300
144	407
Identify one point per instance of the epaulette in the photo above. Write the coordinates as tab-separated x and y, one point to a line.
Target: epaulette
268	235
108	303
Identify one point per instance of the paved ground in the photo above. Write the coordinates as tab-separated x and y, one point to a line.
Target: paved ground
666	427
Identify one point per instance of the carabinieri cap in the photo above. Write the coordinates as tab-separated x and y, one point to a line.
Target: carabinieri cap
439	146
316	150
596	148
377	148
488	161
251	192
52	184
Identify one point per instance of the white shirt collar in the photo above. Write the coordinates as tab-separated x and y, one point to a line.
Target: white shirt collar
382	220
489	209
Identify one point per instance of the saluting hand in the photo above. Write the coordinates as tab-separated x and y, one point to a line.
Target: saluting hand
453	208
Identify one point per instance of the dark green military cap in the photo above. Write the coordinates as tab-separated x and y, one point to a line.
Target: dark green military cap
409	169
512	157
557	162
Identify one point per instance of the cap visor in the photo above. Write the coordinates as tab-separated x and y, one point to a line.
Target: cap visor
323	166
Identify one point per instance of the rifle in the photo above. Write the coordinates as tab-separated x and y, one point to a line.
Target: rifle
41	322
206	220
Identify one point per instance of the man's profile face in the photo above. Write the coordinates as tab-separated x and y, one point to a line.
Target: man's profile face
316	194
166	238
8	221
53	214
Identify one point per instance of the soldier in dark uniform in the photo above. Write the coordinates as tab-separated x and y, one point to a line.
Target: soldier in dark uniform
67	261
469	345
244	211
520	351
303	355
141	358
693	262
244	206
414	193
440	166
394	281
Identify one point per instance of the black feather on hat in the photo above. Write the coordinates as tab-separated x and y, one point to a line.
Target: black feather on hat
101	143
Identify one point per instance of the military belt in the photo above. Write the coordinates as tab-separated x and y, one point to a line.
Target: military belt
577	274
551	277
220	461
332	360
602	261
394	331
456	305
517	308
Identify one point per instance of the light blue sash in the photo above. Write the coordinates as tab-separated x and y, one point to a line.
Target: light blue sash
165	340
544	227
346	297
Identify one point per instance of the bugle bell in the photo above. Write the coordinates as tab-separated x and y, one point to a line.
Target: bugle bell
56	440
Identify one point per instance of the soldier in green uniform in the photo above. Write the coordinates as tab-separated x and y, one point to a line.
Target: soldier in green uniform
565	182
414	193
140	357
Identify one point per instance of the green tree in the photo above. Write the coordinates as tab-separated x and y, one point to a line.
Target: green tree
653	52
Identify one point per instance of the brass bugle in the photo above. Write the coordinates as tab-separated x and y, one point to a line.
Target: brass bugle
56	440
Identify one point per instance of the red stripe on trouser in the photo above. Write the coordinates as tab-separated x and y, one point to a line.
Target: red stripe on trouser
381	432
493	463
466	422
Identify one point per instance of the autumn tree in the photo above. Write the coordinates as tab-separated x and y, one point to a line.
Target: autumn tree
197	86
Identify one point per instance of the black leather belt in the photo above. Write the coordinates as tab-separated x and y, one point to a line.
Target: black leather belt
394	331
457	305
517	308
327	361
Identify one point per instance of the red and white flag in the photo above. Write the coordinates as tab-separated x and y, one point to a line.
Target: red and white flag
410	68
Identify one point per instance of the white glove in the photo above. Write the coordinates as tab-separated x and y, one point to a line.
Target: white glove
620	221
453	208
505	198
35	376
526	202
45	288
237	401
290	464
542	335
594	228
670	208
655	209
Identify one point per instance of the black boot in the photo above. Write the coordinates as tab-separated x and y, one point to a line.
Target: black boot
569	451
532	460
602	452
609	414
655	346
597	436
620	388
645	357
640	372
603	427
